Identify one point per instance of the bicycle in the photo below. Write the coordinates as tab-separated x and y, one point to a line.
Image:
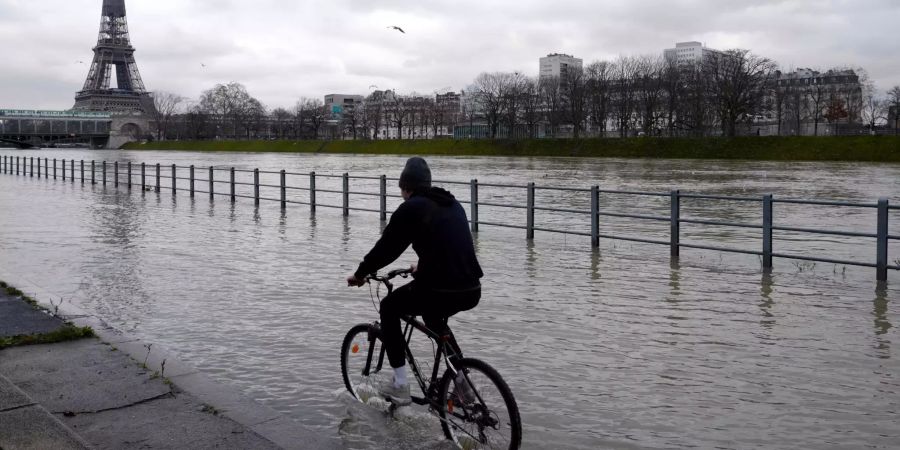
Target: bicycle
474	404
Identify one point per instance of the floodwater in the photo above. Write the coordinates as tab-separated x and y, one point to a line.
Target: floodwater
616	347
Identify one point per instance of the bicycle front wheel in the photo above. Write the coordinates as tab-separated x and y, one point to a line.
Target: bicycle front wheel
363	362
478	409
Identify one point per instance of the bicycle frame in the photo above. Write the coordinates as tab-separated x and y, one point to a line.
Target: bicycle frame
447	349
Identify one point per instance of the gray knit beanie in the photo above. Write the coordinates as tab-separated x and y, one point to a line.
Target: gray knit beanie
416	175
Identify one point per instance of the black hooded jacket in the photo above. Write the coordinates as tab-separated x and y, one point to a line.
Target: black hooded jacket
436	225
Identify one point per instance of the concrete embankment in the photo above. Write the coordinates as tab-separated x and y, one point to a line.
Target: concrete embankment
115	391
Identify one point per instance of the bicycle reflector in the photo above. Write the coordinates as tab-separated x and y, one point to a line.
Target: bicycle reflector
355	348
450	405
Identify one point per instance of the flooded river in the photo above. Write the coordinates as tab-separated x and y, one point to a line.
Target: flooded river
615	347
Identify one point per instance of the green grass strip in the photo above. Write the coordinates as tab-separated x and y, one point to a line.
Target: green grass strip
64	334
767	148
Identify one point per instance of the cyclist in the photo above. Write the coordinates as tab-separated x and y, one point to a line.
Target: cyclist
446	278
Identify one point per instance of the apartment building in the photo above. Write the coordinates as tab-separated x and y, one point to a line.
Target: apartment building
559	65
692	52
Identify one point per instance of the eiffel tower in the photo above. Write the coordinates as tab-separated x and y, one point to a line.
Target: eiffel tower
114	51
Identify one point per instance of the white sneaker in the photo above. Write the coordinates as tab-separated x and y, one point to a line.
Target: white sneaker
398	395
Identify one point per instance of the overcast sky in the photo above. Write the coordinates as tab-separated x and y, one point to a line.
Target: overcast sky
284	49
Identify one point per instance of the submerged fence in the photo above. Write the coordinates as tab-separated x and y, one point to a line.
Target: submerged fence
273	186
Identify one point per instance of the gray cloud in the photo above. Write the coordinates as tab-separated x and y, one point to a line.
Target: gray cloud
282	50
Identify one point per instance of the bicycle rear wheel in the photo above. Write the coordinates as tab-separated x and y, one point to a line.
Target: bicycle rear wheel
362	348
479	411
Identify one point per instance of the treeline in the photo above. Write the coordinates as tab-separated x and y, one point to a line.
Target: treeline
725	94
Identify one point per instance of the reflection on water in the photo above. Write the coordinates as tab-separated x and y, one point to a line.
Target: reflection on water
615	347
882	321
766	288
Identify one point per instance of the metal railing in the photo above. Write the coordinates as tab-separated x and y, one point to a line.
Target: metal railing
259	185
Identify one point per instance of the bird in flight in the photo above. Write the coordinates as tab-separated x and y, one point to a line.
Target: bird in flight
202	65
397	28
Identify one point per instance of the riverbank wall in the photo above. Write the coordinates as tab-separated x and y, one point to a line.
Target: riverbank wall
771	148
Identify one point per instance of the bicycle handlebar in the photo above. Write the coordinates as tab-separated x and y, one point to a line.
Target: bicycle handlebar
390	275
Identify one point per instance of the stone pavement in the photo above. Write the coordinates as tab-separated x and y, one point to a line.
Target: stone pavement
94	393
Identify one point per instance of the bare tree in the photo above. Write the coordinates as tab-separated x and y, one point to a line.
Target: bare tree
281	119
398	111
817	96
469	108
648	91
575	98
553	102
531	106
736	82
228	104
893	101
314	110
622	95
873	111
166	105
490	91
672	84
374	112
598	81
511	86
695	113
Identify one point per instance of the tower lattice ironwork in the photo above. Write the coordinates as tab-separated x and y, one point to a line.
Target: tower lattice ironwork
114	56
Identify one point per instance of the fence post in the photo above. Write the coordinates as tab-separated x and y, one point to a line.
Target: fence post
312	192
283	190
882	246
174	181
39	167
232	185
346	194
32	166
103	169
54	168
158	187
211	184
529	221
81	167
256	187
129	175
143	177
383	198
93	172
595	216
3	163
115	173
192	180
63	169
73	170
768	222
675	236
473	189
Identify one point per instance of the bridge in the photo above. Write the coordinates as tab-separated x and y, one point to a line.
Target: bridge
30	128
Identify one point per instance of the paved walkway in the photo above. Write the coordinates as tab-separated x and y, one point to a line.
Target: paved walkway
94	393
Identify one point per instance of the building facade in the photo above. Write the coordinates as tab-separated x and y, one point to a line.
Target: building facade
807	102
559	65
691	52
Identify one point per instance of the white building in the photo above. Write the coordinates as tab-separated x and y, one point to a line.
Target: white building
688	52
559	65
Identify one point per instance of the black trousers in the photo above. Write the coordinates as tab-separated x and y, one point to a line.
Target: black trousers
412	299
